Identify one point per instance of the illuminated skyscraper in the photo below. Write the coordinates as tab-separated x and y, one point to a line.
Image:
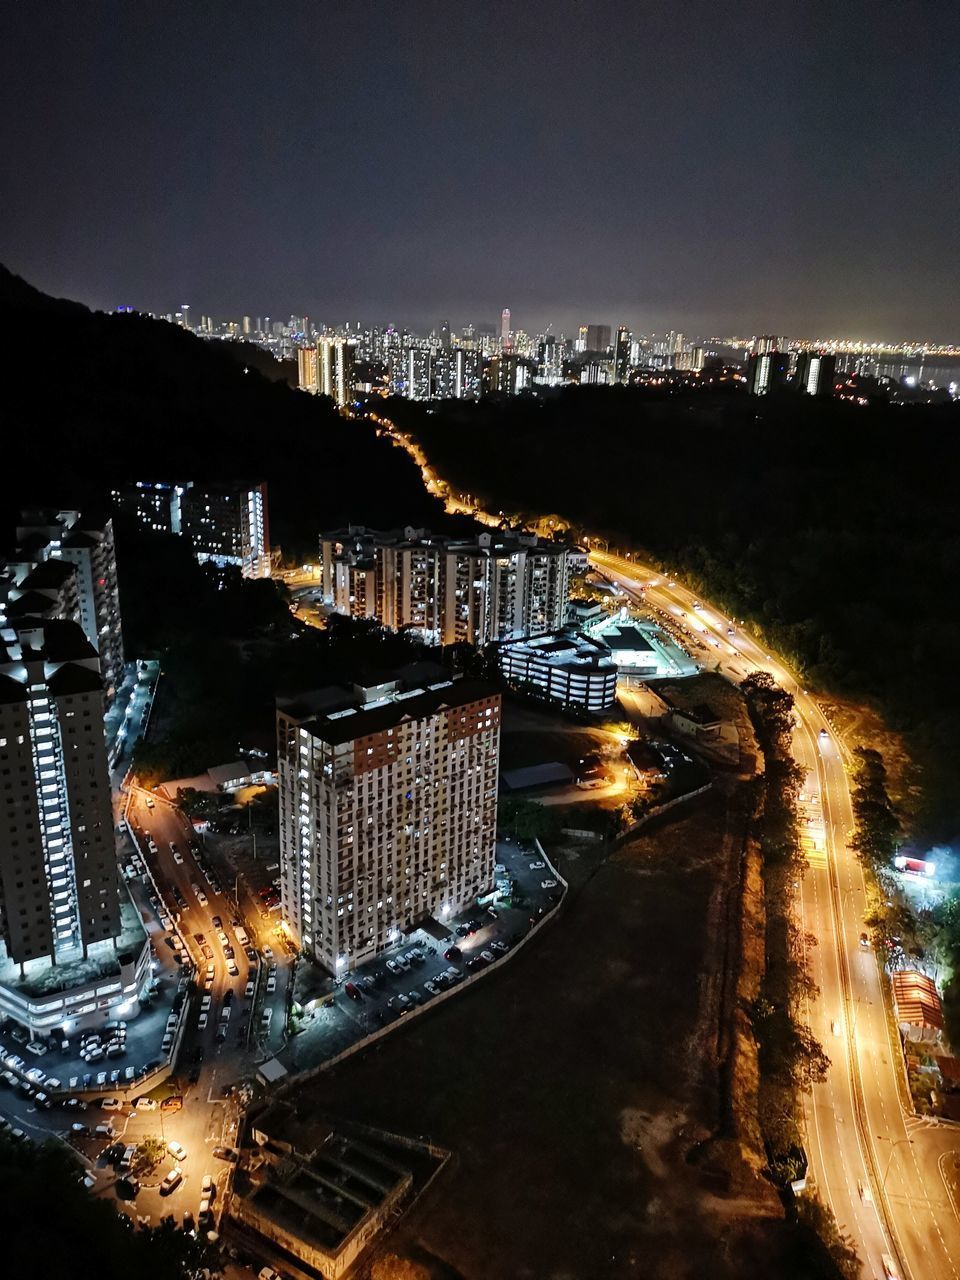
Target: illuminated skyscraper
388	811
419	373
621	354
815	373
505	325
598	337
335	369
766	372
307	375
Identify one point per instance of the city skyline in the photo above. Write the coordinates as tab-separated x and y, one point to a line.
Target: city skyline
732	175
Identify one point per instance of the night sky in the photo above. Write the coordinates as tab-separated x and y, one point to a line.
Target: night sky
709	167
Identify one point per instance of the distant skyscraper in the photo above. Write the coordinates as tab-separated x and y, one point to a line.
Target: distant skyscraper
621	354
766	372
247	326
768	342
335	369
445	335
505	325
308	376
598	337
419	373
456	374
581	343
816	371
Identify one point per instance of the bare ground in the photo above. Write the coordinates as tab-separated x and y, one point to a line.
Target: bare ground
576	1086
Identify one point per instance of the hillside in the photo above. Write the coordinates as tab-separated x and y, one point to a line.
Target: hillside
90	399
833	527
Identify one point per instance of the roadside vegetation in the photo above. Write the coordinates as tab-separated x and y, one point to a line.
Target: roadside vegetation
904	934
831	528
791	1058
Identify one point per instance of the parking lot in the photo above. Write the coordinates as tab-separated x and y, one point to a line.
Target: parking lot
423	966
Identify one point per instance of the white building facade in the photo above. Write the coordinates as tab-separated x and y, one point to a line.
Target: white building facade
387	814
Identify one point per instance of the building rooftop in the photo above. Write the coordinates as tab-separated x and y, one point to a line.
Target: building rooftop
536	775
917	999
565	650
356	718
626	636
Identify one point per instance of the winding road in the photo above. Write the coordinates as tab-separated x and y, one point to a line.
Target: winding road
875	1164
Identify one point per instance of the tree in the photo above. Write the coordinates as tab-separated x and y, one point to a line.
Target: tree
80	1237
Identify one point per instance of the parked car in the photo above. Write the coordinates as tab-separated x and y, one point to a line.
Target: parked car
177	1151
171	1181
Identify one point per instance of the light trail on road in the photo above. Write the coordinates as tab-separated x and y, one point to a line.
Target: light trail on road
877	1165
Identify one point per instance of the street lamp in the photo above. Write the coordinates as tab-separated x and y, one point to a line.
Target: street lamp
895	1142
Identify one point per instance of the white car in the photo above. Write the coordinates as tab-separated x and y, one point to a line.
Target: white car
202	898
147	1104
548	884
202	1022
150	802
271	985
177	857
537	866
268	953
178	1152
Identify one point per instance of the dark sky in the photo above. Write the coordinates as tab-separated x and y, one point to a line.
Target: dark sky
709	167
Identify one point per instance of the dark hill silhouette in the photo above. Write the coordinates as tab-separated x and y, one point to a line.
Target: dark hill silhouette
92	398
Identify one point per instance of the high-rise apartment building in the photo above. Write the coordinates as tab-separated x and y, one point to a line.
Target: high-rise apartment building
621	354
388	804
505	326
308	377
58	868
456	374
225	524
65	566
767	343
766	372
598	337
73	952
335	369
495	587
508	374
419	375
816	373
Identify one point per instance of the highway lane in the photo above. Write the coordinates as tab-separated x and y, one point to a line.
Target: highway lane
876	1165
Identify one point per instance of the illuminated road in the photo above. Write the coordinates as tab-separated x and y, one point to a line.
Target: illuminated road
875	1165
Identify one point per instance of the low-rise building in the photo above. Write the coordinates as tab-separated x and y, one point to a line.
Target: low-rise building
571	669
700	721
918	1007
585	613
317	1192
630	648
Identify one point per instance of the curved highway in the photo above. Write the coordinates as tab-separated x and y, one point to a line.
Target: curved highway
874	1163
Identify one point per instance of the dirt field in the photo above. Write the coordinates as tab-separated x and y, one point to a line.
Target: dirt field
571	1086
